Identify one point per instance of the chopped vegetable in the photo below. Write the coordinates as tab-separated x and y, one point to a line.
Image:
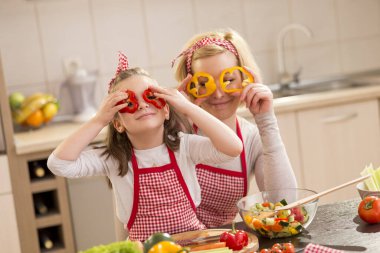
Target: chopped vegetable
215	245
116	247
372	183
285	222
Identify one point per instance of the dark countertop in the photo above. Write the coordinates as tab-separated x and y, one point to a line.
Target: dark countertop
335	225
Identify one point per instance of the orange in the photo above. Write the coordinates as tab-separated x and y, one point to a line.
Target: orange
35	119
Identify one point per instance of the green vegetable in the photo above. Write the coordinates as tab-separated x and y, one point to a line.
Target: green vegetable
372	183
115	247
283	202
156	238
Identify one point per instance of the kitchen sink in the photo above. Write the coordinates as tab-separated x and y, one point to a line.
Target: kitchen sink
314	87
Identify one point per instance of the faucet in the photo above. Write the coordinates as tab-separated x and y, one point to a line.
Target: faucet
287	78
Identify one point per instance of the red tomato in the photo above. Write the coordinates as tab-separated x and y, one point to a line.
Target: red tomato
288	248
276	250
277	245
265	251
369	209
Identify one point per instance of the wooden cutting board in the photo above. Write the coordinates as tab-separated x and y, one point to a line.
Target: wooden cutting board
253	241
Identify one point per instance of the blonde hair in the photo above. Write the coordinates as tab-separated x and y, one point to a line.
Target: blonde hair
118	145
245	56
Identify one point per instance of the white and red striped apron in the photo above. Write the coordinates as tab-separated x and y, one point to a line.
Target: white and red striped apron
220	191
161	201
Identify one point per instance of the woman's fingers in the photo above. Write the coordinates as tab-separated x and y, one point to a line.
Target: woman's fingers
255	77
246	89
182	86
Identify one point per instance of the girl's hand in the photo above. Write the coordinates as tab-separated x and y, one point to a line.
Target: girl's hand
183	89
108	108
175	98
258	97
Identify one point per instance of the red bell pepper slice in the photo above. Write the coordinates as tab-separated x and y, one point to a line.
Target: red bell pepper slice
150	98
131	101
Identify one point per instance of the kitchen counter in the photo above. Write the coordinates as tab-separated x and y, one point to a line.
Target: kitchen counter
307	101
336	226
48	137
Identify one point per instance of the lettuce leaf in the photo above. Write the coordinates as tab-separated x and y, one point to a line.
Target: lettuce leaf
115	247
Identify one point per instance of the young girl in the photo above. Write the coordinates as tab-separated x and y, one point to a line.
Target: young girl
225	75
149	161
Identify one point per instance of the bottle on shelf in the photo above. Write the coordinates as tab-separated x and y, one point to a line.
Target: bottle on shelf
40	207
37	170
46	241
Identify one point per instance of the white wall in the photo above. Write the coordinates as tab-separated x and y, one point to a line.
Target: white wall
37	35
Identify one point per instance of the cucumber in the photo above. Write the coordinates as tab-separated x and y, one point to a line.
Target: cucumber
284	223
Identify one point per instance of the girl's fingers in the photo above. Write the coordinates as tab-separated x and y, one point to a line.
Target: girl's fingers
119	107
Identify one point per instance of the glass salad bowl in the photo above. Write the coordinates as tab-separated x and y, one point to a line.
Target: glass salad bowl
254	210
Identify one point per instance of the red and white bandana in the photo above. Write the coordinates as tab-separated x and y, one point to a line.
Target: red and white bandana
121	66
188	53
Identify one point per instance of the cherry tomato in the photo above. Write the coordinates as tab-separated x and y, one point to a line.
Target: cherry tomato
276	245
265	251
369	209
276	250
288	248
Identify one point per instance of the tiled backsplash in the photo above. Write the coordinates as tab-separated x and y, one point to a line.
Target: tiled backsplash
37	35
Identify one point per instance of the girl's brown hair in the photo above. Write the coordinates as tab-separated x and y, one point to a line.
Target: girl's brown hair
118	145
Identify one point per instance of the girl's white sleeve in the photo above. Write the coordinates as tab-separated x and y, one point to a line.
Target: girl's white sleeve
201	150
89	163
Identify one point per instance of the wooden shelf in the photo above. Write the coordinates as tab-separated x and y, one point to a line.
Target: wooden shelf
49	220
43	185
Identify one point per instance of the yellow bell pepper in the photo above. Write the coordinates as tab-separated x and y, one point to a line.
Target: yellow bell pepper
167	247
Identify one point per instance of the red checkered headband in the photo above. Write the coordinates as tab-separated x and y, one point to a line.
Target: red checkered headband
123	65
188	53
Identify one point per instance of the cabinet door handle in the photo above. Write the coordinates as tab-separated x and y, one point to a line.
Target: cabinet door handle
339	118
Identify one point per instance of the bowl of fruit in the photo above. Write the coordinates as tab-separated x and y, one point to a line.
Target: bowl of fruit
259	213
32	111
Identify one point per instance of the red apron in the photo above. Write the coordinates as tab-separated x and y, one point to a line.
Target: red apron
220	191
161	202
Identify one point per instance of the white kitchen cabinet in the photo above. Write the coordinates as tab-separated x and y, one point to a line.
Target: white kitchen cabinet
5	181
287	123
336	142
87	195
9	239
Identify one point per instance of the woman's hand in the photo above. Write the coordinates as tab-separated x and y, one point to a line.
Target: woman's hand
258	97
183	89
108	108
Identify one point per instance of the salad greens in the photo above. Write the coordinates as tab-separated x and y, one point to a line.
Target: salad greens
116	247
